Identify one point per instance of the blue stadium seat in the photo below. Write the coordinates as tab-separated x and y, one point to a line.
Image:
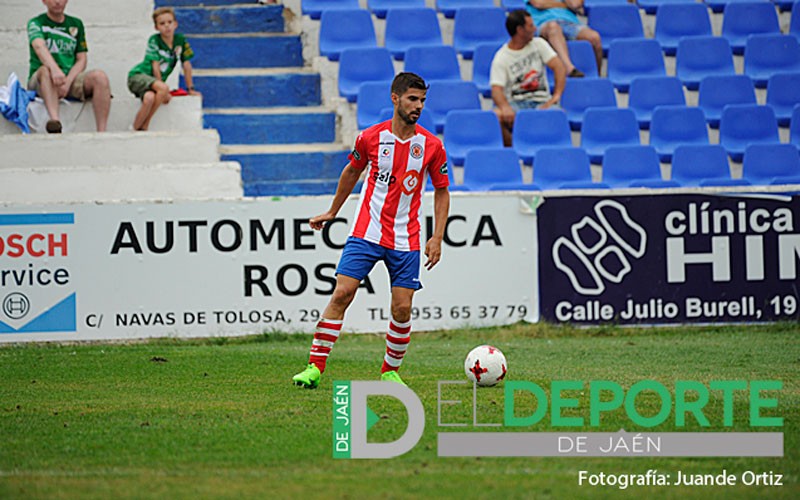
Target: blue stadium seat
467	129
438	62
588	5
677	20
357	66
748	18
381	7
449	7
345	29
745	124
538	128
481	66
315	8
673	126
701	56
582	55
633	166
372	98
628	59
654	6
510	5
583	93
493	169
794	127
425	119
445	95
716	92
794	23
784	5
706	165
616	21
771	164
474	26
650	91
783	93
564	168
765	55
604	127
410	28
718	6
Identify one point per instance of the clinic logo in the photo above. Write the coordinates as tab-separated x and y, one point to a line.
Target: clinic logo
600	248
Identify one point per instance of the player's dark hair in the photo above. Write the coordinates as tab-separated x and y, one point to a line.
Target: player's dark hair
516	19
406	80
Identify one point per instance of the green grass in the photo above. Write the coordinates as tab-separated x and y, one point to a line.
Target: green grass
219	418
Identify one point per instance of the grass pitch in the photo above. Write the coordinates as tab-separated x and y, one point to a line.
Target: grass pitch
219	418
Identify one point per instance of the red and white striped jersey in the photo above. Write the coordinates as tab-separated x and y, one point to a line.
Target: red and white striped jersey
388	209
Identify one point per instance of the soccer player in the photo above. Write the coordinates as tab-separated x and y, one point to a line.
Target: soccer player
397	154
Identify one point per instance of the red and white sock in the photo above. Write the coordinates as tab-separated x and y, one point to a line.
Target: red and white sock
397	339
325	336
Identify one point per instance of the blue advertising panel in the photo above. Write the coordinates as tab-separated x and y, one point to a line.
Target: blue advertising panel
672	258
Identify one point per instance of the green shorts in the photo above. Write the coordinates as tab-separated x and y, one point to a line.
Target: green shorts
139	83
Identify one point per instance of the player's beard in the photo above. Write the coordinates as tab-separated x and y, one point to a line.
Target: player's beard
410	120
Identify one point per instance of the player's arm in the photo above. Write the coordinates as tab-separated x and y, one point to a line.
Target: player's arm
441	209
505	111
560	77
347	181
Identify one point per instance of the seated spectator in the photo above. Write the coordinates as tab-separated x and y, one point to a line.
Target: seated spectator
57	44
517	74
147	80
558	22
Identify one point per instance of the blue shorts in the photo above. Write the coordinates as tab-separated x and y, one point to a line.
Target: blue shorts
360	256
569	28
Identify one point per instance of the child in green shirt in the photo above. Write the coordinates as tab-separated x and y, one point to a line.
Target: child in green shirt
147	79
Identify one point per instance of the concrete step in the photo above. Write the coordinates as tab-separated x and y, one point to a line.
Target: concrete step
196	3
272	125
243	18
268	170
196	181
242	87
246	50
109	149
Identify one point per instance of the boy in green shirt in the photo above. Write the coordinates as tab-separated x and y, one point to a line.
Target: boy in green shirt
147	79
57	44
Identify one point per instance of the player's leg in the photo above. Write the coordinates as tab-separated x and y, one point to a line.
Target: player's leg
403	270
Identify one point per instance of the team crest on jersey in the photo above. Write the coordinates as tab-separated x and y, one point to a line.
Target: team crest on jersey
416	151
73	30
385	152
411	182
443	169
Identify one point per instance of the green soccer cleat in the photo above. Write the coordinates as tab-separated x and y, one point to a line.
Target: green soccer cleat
392	376
308	378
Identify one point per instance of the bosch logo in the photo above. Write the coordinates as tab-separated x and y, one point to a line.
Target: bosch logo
16	305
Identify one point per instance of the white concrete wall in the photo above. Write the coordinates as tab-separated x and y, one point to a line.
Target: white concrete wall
196	181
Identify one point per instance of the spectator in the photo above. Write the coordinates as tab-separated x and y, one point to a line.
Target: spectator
517	75
558	22
57	44
147	80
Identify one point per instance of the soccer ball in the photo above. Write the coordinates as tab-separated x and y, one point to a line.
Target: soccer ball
485	365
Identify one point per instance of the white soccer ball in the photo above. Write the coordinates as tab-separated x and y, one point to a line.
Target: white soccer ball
485	365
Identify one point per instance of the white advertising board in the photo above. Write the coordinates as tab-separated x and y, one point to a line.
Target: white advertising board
194	269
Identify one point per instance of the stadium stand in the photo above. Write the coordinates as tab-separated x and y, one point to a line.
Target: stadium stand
410	27
744	124
653	7
605	127
489	169
698	57
794	23
481	66
345	29
449	7
648	92
582	93
765	55
771	164
677	20
315	8
445	96
673	126
563	168
629	59
748	18
357	66
794	127
702	166
467	129
437	62
373	98
510	5
718	6
783	93
474	26
616	21
633	166
716	92
380	7
535	129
